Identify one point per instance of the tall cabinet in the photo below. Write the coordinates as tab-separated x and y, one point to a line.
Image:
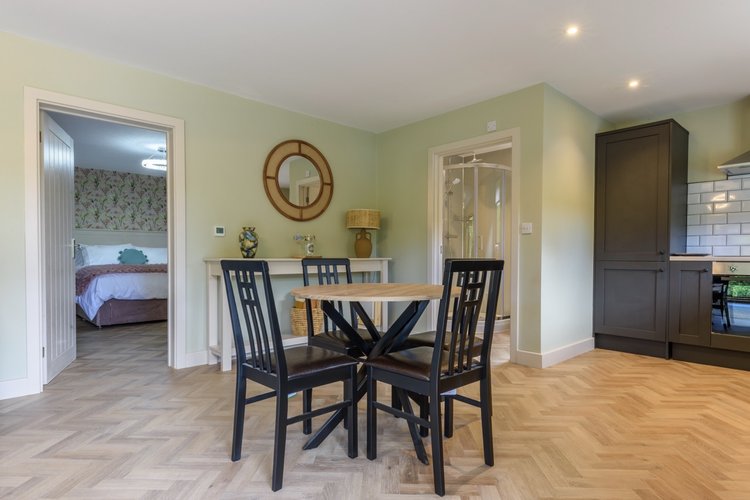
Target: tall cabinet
641	203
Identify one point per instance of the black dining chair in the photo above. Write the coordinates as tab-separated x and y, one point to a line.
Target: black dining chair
719	292
431	370
329	271
284	370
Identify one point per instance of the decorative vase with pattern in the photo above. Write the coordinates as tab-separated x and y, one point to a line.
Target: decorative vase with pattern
248	242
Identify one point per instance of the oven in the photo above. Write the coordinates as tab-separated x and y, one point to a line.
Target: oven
730	316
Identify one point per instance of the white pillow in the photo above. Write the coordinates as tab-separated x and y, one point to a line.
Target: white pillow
99	255
155	255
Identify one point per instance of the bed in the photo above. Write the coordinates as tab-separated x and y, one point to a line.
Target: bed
112	290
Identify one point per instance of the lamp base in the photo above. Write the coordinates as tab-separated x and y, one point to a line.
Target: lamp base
363	244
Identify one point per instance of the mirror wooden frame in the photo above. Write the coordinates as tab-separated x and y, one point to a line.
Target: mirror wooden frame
276	158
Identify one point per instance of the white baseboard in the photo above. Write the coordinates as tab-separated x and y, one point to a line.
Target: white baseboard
196	359
555	356
18	387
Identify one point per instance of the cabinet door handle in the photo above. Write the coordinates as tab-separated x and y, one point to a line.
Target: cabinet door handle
704	271
661	252
661	269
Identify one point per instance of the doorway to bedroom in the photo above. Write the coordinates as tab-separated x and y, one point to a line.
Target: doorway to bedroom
48	151
119	226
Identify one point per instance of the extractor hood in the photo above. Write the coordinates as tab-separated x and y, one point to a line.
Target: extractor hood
737	166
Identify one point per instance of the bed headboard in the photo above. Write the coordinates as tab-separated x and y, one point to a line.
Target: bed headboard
105	237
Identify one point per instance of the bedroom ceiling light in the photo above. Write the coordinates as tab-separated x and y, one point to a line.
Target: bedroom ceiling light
634	84
571	30
152	163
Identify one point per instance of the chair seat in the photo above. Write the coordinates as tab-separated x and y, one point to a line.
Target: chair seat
303	361
338	339
427	339
413	363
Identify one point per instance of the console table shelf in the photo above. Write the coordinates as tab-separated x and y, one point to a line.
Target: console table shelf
220	345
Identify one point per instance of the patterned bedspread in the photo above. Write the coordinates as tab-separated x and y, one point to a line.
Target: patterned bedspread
85	275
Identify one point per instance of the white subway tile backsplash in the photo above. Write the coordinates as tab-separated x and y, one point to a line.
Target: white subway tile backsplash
713	197
699	230
727	185
727	229
738	239
703	208
718	217
698	250
738	195
714	219
700	187
726	251
738	217
713	241
729	206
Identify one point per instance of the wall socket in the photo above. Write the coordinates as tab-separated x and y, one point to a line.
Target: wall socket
219	231
526	228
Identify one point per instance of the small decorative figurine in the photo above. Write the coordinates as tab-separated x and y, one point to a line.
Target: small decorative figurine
307	243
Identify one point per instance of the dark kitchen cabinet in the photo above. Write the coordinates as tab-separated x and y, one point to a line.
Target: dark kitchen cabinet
690	298
641	218
641	192
631	299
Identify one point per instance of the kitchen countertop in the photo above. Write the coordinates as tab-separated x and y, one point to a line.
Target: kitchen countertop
704	258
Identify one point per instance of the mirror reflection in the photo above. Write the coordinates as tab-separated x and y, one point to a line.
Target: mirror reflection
299	181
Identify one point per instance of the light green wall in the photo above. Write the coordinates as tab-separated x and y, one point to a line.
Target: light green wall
717	134
567	220
403	166
227	140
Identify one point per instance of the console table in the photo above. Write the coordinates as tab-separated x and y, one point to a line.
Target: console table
220	348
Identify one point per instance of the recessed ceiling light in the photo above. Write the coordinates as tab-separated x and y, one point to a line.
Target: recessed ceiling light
571	30
634	84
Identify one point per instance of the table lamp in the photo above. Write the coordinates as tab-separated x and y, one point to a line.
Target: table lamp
363	219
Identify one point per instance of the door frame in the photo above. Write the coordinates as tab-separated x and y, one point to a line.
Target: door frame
435	214
36	100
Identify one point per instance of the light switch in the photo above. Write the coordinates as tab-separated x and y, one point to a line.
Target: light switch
491	126
526	228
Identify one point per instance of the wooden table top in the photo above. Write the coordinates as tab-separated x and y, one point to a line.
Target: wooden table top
370	292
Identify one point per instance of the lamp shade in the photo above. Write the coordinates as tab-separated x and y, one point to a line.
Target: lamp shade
363	218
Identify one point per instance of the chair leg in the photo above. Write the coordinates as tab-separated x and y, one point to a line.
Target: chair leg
436	437
395	400
279	440
372	419
424	411
239	417
307	407
350	393
485	400
448	431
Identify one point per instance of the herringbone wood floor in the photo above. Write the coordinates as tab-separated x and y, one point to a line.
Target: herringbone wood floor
119	424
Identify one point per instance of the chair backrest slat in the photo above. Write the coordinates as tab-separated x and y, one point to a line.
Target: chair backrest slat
474	279
329	271
258	317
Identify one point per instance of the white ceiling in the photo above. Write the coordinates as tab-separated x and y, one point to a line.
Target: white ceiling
380	64
105	145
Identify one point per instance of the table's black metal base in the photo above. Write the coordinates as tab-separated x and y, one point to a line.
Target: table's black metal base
394	337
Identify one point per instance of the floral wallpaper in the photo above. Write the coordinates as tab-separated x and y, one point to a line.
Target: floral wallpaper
120	201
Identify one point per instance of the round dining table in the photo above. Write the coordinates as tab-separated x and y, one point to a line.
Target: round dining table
418	295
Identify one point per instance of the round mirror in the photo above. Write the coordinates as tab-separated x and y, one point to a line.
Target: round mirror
298	180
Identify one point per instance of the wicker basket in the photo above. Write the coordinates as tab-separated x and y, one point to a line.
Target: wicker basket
299	320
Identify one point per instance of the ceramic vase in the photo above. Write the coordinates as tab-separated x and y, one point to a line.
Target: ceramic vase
248	242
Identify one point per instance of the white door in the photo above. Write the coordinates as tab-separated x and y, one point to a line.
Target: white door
57	248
